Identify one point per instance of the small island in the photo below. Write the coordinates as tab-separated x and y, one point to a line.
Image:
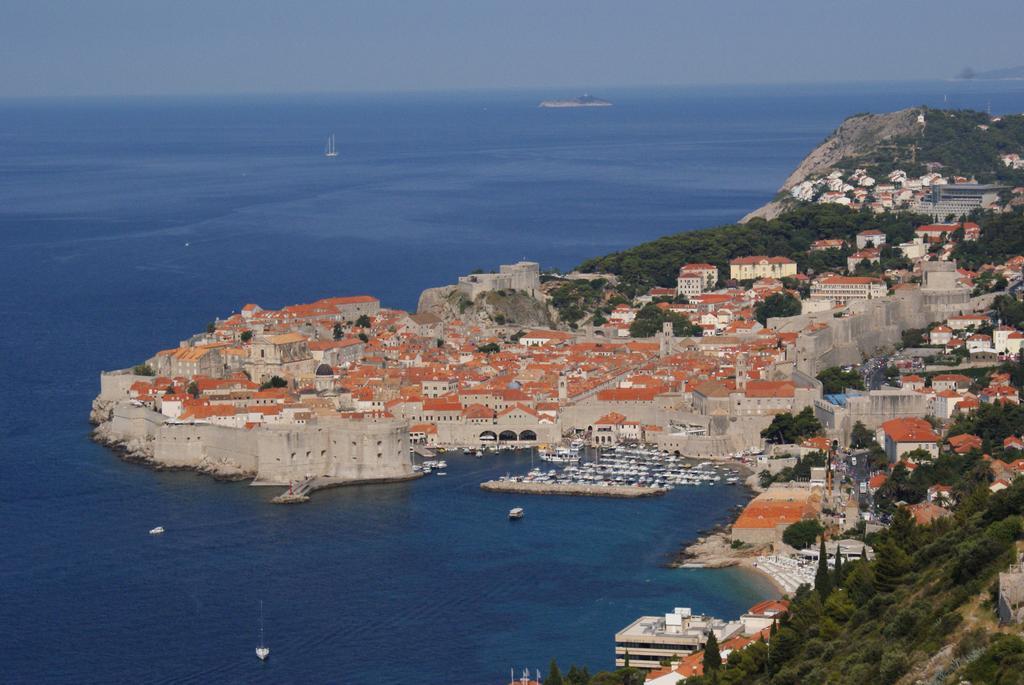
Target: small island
585	100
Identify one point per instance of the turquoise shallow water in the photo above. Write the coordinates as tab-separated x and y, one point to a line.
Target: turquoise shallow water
423	580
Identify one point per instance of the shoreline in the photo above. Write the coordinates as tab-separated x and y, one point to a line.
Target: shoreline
713	547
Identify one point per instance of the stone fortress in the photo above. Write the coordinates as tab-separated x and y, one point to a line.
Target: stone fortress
522	276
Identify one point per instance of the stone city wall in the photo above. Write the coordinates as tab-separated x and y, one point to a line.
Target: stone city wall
340	449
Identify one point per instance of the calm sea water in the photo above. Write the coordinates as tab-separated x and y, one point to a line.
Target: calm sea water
422	581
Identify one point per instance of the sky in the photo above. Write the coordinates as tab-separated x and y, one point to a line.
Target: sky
145	47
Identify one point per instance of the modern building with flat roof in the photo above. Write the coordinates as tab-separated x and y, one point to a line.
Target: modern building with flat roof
958	199
651	639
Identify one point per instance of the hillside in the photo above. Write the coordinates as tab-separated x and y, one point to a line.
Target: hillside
917	140
656	263
921	611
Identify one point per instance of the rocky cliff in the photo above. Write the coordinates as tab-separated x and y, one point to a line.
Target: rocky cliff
498	307
858	136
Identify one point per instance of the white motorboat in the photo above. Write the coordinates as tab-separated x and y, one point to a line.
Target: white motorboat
157	531
515	514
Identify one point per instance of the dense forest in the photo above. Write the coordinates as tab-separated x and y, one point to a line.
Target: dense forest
1004	238
657	263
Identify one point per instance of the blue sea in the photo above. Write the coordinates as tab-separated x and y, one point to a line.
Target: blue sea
127	224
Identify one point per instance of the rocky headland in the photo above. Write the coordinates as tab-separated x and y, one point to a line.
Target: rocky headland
856	137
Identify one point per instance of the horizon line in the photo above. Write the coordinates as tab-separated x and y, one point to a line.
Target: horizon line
476	89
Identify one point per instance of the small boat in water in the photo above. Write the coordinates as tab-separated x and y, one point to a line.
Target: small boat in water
515	514
157	531
262	651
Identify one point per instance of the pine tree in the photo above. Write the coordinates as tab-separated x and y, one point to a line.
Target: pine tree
712	657
775	628
554	675
891	565
822	579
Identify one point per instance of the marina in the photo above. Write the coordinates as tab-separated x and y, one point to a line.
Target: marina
629	471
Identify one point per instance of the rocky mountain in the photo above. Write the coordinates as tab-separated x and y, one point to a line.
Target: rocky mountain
856	137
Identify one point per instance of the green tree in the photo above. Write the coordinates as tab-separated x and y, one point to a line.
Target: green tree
712	657
822	578
860	436
337	332
577	676
860	582
364	337
193	389
143	370
903	529
651	317
891	565
246	336
554	675
211	327
489	348
834	380
363	321
274	382
786	428
802	534
572	299
913	337
837	570
776	305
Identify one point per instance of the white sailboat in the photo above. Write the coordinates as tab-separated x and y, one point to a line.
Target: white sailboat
262	651
330	150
